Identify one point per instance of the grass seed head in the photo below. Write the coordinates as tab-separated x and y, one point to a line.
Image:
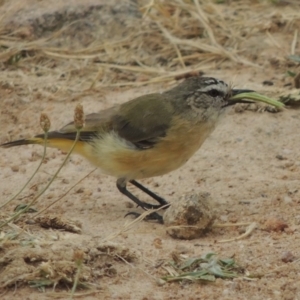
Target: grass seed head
79	117
45	122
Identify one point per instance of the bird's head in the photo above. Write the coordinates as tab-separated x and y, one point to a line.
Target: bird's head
206	95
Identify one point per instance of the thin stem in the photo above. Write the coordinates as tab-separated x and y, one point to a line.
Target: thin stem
40	164
79	266
64	194
47	186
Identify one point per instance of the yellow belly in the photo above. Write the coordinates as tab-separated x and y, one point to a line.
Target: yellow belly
116	157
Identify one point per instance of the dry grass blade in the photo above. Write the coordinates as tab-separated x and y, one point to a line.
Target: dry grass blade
78	258
291	99
189	33
294	42
204	20
180	34
59	295
249	230
192	43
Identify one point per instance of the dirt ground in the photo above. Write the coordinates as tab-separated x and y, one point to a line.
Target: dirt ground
250	165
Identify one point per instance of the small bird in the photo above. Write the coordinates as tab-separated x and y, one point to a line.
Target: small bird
148	136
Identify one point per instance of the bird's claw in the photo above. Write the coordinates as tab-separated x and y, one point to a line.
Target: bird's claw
151	217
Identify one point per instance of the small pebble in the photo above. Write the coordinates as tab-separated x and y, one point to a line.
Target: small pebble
289	164
15	168
160	282
80	190
129	204
268	82
274	224
280	157
287	199
182	249
287	256
297	220
88	192
157	243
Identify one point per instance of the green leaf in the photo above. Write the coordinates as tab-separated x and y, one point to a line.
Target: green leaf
204	268
190	263
291	74
256	97
228	262
22	206
295	58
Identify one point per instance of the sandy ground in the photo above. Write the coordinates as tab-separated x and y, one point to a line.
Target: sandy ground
250	165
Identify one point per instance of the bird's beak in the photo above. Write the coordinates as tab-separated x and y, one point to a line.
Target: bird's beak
234	101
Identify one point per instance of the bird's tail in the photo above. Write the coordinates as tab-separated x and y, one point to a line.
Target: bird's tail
55	139
22	142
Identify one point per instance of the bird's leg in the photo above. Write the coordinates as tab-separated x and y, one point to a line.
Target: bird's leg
159	199
121	185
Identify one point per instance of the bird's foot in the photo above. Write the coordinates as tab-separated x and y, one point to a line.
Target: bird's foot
151	217
146	206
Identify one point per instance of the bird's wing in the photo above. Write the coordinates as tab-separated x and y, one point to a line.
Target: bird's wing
93	122
141	121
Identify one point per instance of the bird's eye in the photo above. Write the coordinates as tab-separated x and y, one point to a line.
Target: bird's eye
214	93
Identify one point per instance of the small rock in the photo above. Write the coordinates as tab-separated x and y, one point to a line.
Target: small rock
239	108
50	196
287	256
297	220
88	192
280	157
233	285
129	204
274	224
65	181
160	282
182	249
190	216
15	168
22	170
287	199
80	190
157	243
268	82
289	164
